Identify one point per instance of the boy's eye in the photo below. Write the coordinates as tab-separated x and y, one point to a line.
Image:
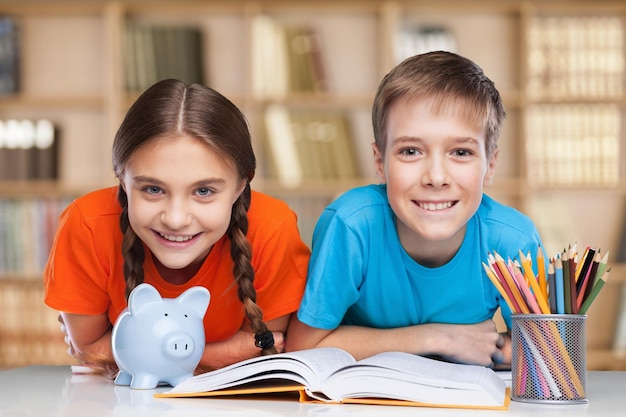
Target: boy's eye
409	152
463	152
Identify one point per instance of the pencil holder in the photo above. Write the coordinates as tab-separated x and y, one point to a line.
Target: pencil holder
549	358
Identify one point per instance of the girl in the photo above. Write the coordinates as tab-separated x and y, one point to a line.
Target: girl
183	215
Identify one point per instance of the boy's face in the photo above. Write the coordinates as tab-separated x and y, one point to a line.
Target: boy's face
435	167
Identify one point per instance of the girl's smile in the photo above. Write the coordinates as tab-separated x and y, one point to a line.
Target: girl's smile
180	213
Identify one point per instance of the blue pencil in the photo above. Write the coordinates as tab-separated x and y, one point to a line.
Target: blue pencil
558	278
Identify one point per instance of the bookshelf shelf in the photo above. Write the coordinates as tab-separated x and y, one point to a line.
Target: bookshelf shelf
80	44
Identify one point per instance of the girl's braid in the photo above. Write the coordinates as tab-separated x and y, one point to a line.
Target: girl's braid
132	249
243	272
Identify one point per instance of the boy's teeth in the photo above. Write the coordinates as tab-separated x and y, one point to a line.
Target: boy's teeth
438	206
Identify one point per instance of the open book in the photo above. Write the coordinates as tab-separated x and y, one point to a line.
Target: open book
333	375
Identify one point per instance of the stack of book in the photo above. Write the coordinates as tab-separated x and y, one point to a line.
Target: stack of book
154	52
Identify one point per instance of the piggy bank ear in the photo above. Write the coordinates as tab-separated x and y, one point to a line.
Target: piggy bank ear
197	298
142	294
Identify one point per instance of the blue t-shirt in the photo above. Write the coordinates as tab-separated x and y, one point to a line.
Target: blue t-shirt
359	273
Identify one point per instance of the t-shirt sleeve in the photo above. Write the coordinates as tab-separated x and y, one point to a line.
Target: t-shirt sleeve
335	273
74	278
280	259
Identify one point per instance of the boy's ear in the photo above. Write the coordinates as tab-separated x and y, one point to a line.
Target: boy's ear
491	169
379	164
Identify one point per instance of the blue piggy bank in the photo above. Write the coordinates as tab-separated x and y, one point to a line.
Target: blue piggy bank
159	339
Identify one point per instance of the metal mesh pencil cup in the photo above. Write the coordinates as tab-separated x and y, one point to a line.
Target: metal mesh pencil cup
549	358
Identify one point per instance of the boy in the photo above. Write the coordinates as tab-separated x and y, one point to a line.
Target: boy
397	266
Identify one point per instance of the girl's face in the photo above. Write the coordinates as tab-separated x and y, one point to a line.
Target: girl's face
180	195
435	167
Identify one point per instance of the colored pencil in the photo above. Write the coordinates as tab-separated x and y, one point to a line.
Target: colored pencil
597	286
560	287
541	272
552	288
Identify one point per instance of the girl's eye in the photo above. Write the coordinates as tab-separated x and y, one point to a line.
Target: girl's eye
204	192
153	189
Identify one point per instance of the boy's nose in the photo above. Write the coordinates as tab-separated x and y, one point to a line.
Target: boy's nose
435	173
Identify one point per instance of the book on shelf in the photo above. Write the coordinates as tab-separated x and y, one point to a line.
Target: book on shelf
29	331
575	56
9	56
28	150
310	145
155	52
27	228
413	39
573	144
332	375
287	58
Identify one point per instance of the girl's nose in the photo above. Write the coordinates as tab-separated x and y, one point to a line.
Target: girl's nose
176	215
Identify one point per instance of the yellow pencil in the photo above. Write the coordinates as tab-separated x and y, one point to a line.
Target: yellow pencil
528	274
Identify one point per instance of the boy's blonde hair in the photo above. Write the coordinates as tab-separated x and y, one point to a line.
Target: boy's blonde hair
448	80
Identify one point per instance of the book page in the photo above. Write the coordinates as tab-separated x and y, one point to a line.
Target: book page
415	378
307	367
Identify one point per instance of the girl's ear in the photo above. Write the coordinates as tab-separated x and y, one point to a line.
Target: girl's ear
242	186
379	164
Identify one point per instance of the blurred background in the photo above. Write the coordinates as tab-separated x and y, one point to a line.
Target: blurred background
305	73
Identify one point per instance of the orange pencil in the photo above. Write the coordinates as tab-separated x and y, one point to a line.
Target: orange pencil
505	285
528	274
541	271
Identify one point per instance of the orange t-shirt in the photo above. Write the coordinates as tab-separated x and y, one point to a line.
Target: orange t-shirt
84	274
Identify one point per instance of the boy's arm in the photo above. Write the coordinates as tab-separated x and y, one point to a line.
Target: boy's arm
479	344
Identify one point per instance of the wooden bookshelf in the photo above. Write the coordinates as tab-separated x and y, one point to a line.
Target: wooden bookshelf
72	72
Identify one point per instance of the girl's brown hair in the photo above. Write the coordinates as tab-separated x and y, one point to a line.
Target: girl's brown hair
171	108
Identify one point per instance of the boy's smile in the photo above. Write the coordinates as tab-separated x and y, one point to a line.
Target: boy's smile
435	167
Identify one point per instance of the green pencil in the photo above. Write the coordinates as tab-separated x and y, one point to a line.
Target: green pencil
597	286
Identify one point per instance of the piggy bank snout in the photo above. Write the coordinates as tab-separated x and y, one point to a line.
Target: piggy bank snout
178	345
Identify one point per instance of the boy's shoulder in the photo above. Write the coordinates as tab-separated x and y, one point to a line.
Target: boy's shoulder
368	200
360	198
495	212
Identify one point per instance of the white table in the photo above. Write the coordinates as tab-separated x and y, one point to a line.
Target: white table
53	391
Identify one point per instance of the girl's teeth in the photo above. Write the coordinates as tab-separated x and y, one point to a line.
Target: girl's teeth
176	238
